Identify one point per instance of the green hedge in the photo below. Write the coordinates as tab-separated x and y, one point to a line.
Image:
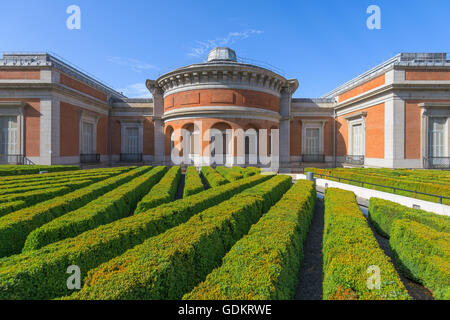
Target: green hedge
229	174
8	207
169	265
57	179
192	182
21	276
429	187
264	265
384	213
423	254
114	205
10	192
59	175
9	170
34	196
163	192
349	249
16	226
212	177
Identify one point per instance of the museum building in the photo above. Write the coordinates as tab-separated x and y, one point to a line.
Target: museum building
395	115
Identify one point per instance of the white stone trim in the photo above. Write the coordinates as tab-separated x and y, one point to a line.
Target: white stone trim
313	123
221	112
16	109
131	123
353	120
91	118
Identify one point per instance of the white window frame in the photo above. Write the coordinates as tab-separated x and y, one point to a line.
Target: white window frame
16	109
132	123
91	118
354	120
313	124
434	110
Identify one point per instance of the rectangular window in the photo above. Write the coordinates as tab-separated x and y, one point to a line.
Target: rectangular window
312	141
8	135
357	140
437	137
88	138
132	140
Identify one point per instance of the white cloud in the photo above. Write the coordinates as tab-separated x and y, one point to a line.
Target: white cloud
136	90
133	64
202	47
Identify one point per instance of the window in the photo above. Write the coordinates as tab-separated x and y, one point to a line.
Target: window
8	135
88	138
357	140
132	140
437	137
312	142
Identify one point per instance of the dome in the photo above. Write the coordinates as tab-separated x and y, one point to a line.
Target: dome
222	53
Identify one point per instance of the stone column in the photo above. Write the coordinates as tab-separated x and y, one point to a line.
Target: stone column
394	131
285	122
158	112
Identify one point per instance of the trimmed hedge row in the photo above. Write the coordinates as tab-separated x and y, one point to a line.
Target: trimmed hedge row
212	177
21	275
192	182
114	205
5	193
349	250
8	170
8	207
16	226
229	174
163	192
384	213
60	175
264	265
35	196
420	186
58	179
169	265
412	174
423	254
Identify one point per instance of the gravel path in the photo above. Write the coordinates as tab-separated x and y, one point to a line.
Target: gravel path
180	190
310	278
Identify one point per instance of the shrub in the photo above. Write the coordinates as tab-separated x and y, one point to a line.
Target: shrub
229	174
384	213
349	249
11	180
423	254
264	265
163	192
8	170
114	205
166	266
213	179
421	186
250	171
9	207
192	182
16	226
35	196
6	193
21	275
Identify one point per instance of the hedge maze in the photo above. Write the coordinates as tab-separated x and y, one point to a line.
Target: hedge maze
235	234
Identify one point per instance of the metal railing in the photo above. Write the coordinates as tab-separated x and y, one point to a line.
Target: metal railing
394	189
16	159
131	157
313	158
89	158
354	159
437	163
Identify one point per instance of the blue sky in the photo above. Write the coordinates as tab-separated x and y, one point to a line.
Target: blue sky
321	43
